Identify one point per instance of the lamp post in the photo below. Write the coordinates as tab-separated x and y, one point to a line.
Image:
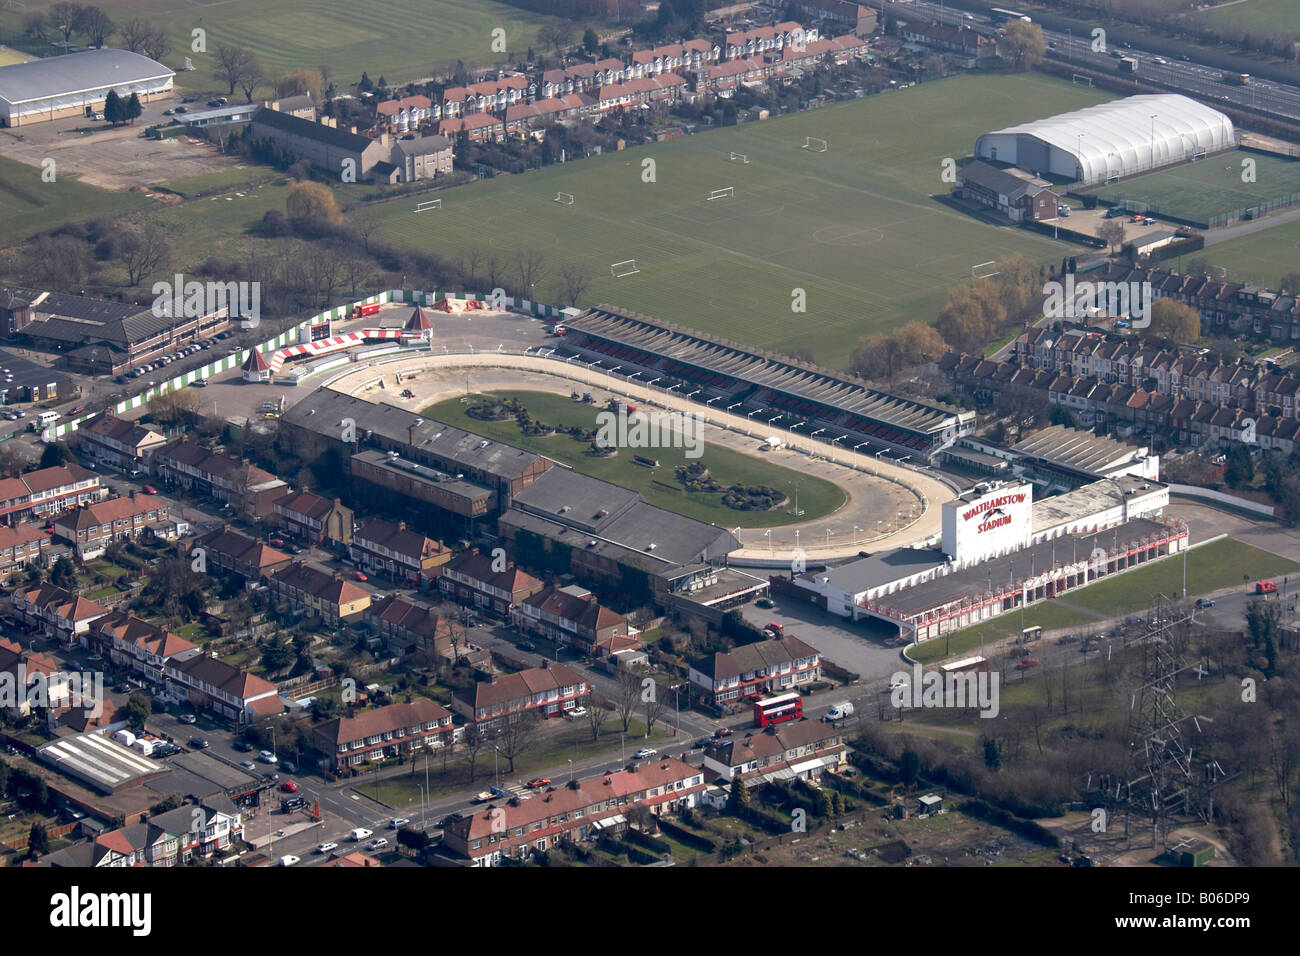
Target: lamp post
856	529
768	534
1153	139
737	405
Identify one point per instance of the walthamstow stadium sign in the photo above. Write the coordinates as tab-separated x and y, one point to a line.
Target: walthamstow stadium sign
991	511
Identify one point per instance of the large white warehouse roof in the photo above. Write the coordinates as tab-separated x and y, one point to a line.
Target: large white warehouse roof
1118	138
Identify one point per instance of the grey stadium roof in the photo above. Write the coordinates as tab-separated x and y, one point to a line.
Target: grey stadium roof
568	505
79	319
324	409
1122	130
1076	450
76	73
774	372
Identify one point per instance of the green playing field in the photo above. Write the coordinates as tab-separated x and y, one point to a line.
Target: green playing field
863	231
398	39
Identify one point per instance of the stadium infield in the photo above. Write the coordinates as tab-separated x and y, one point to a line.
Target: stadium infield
1211	187
864	230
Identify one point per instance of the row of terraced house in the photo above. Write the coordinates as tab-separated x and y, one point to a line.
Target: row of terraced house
513	102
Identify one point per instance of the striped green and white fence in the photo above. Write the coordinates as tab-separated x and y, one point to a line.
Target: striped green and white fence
292	336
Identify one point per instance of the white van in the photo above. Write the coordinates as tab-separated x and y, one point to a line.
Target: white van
47	418
839	711
359	834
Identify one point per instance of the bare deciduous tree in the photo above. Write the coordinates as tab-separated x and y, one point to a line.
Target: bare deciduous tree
598	711
571	283
234	65
143	250
519	732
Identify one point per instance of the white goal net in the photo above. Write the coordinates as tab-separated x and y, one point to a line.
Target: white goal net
564	199
984	270
722	193
428	204
814	144
740	158
625	268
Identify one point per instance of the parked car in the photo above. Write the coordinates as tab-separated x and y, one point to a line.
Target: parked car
149	490
275	542
576	712
765	603
645	753
527	646
1027	663
360	576
266	756
243	746
1205	602
288	860
188	719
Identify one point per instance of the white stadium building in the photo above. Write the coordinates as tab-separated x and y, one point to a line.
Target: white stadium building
69	85
1112	140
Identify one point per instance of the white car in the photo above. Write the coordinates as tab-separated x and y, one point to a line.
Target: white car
644	752
576	712
377	844
397	822
266	756
288	860
327	847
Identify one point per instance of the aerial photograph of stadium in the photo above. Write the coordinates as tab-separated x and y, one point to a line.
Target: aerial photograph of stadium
650	433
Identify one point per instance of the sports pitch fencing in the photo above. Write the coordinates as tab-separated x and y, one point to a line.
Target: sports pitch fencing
1211	191
858	227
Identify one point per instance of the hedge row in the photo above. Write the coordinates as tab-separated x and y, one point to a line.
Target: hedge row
689	837
999	817
650	842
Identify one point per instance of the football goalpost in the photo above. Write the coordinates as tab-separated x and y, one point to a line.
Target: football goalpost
625	268
814	144
722	193
740	158
564	199
1077	78
428	204
984	270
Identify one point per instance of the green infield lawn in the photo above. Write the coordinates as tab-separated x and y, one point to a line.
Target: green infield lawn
1259	16
863	229
1210	187
659	485
400	40
29	206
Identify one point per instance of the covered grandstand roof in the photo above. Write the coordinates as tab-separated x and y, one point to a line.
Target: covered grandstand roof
1112	139
723	362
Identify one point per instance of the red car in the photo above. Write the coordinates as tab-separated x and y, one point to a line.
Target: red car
289	787
276	542
149	490
1137	218
538	782
1027	663
360	576
723	732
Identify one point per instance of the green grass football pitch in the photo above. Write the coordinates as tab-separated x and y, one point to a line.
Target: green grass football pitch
397	39
1212	186
861	230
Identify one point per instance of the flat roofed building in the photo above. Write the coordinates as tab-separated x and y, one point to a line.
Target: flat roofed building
71	84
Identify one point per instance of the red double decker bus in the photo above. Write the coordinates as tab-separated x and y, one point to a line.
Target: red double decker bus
774	710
